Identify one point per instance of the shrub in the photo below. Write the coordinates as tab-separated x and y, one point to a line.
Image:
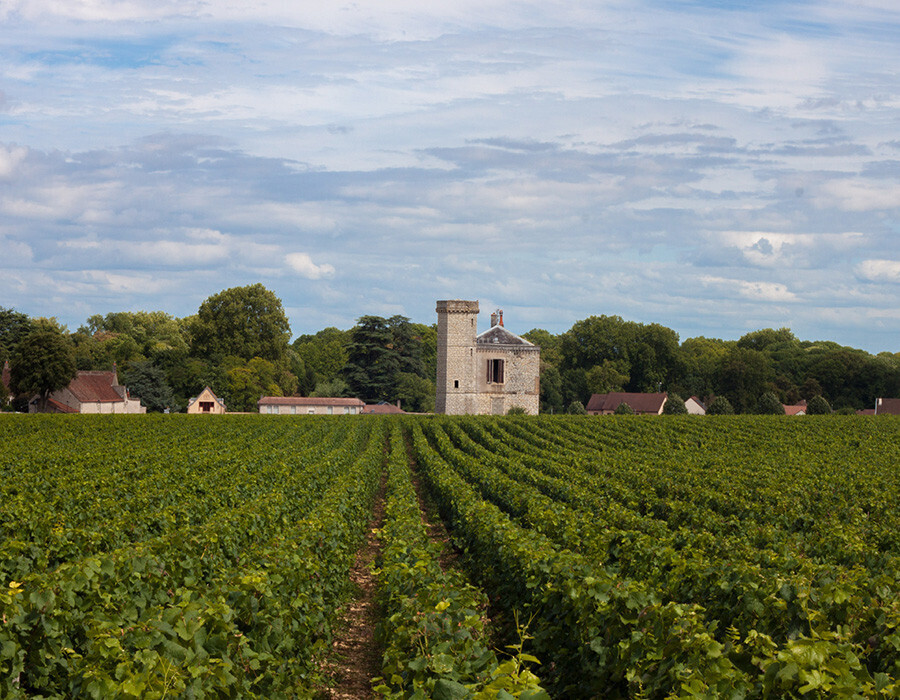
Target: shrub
576	408
674	405
516	411
818	406
623	409
720	406
769	405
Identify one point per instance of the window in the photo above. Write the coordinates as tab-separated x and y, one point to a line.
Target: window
331	410
456	384
495	371
293	409
206	406
310	411
346	410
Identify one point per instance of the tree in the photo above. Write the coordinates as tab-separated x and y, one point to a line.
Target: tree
606	377
769	405
516	411
415	393
623	409
720	406
743	376
324	353
148	382
576	408
332	388
372	360
248	382
245	322
551	389
817	406
42	362
674	405
13	327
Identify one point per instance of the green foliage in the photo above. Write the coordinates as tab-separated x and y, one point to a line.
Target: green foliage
720	406
324	354
416	393
380	353
336	388
623	409
245	322
817	406
13	327
674	406
576	408
42	362
743	376
149	383
769	404
516	411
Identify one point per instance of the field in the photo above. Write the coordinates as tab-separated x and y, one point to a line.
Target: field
727	557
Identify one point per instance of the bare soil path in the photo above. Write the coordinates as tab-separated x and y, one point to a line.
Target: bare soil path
355	658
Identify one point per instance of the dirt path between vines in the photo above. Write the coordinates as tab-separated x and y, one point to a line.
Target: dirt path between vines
355	657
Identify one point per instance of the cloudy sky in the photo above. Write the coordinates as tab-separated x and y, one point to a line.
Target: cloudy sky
714	166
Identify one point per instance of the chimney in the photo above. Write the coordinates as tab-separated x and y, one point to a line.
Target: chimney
493	319
500	314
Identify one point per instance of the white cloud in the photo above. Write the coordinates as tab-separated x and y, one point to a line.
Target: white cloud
750	289
880	270
859	195
302	263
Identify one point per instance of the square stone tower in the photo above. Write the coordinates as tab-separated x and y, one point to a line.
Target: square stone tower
456	389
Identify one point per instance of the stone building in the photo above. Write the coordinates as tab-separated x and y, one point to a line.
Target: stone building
487	373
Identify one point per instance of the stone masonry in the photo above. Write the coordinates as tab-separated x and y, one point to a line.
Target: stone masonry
487	373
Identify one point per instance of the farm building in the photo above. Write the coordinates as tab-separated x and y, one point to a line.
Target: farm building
487	373
641	404
887	407
206	403
310	405
695	406
91	392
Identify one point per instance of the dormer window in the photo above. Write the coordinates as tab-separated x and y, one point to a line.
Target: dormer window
495	371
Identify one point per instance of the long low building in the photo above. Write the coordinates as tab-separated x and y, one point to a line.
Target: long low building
316	405
91	392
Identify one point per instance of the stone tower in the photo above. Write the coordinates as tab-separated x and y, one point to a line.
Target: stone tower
456	389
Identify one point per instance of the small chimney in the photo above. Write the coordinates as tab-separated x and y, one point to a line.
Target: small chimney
493	319
500	314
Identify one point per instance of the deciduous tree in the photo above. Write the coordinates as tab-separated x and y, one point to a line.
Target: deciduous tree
42	362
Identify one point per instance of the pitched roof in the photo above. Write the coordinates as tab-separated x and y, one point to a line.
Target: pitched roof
383	408
55	406
308	401
889	407
640	403
95	387
498	335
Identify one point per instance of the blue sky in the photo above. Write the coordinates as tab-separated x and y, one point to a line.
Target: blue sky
716	167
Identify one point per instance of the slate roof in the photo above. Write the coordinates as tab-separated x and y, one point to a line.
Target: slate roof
95	387
640	403
498	335
308	401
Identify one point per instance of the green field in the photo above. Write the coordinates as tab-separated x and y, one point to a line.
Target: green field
179	556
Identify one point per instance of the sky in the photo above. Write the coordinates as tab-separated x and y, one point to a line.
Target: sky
716	167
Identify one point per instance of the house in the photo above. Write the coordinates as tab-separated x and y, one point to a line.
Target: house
798	409
304	405
206	403
383	408
487	373
91	392
887	407
641	404
695	406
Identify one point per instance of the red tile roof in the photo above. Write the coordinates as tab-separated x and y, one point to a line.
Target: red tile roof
640	403
307	401
56	406
95	387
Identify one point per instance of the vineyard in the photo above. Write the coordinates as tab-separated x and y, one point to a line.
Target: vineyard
727	557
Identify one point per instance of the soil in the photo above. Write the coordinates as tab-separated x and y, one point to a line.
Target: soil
355	658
